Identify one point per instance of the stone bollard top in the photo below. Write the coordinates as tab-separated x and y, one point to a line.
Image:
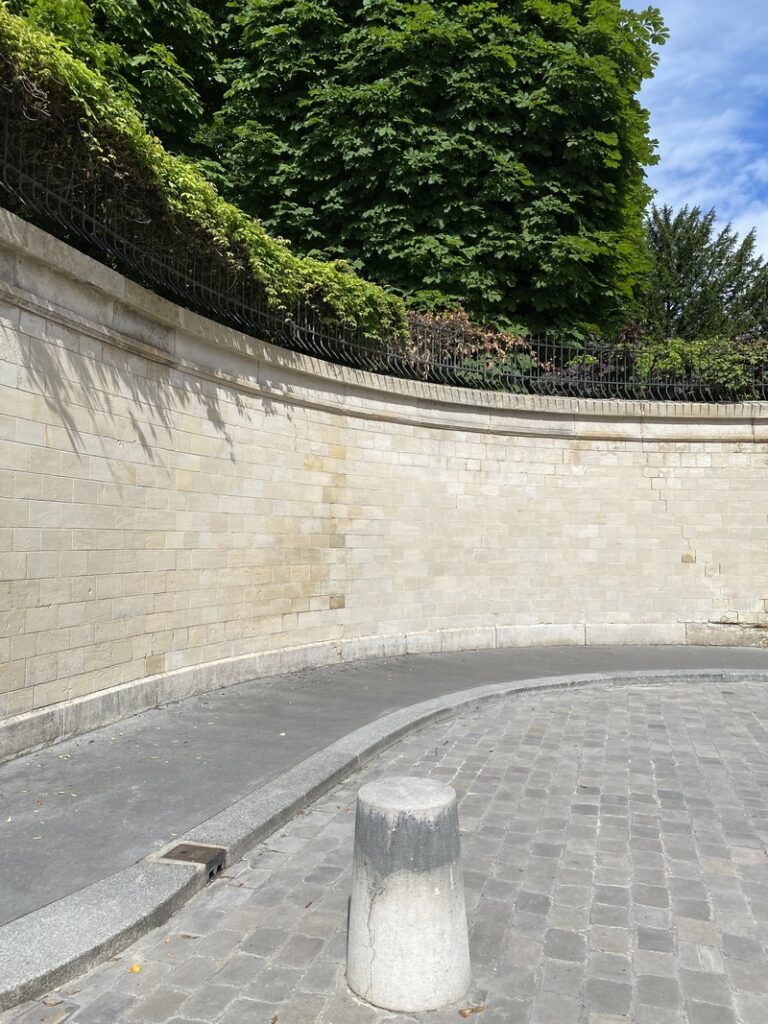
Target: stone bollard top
406	794
407	824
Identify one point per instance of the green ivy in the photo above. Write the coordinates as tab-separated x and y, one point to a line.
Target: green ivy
57	81
163	55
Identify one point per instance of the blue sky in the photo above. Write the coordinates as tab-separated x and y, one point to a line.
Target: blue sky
709	110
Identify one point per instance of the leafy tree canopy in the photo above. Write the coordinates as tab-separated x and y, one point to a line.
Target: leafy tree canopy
704	283
482	154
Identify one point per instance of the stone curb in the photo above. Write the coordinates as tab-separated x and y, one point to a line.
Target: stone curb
71	935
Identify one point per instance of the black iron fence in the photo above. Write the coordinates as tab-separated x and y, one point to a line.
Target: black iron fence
101	206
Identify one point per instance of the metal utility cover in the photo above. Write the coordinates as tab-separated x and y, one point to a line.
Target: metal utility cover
212	857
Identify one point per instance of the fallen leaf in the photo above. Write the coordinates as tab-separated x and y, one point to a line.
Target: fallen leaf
134	968
52	1002
274	1020
469	1010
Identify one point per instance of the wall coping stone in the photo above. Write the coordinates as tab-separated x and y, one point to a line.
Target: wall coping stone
119	312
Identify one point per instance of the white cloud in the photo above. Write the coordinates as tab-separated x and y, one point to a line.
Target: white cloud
709	111
755	217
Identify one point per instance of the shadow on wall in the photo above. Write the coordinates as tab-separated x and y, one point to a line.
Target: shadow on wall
72	367
73	371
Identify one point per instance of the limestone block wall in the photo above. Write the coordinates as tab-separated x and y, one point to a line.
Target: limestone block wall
182	506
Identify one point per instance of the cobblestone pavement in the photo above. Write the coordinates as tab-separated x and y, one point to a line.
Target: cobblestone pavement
614	850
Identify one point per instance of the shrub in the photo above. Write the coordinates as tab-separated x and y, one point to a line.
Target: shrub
729	368
479	356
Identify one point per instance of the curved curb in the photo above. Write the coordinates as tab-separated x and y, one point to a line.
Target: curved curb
67	937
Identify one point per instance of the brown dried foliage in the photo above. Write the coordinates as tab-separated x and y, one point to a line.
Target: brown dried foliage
454	337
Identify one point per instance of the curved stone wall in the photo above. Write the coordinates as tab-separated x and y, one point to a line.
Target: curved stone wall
183	506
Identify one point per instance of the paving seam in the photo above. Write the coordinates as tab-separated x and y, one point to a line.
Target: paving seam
71	935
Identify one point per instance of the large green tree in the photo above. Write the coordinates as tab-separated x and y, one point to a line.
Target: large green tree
483	154
704	283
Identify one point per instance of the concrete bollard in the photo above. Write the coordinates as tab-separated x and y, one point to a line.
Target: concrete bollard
407	948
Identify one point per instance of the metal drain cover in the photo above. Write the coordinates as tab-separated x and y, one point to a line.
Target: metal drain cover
211	857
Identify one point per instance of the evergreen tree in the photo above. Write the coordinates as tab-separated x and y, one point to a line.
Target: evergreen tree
704	283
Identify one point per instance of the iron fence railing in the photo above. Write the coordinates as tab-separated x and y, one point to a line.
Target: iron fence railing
49	176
